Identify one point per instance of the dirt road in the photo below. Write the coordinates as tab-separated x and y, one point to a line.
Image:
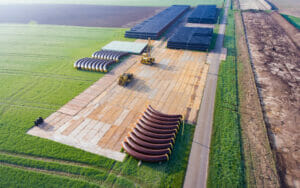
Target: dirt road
196	174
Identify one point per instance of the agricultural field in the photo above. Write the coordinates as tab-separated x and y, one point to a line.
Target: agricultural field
254	4
119	2
16	177
275	56
76	15
289	7
37	78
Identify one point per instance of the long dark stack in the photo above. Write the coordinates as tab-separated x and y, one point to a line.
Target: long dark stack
191	38
156	25
204	14
153	137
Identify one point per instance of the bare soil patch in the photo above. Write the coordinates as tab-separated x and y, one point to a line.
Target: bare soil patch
276	63
76	15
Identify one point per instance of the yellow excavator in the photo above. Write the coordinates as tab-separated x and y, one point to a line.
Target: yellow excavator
125	79
146	57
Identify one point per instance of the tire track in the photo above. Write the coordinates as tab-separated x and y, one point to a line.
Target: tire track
73	163
57	173
44	75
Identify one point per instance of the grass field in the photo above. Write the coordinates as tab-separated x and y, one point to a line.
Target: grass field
226	167
293	20
121	2
15	177
36	78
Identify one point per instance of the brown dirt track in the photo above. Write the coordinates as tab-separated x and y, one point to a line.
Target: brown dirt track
276	63
76	15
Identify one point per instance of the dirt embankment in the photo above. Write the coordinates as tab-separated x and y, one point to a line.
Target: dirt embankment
76	15
259	160
290	30
276	63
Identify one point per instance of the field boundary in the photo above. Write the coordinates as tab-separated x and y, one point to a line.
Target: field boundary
255	152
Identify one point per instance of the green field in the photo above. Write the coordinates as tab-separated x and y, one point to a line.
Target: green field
36	78
293	20
121	2
15	177
226	167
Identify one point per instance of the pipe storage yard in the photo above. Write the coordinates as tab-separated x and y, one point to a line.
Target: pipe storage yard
191	38
204	14
99	119
155	26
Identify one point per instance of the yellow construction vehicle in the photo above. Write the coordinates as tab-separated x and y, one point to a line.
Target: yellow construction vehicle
125	78
146	57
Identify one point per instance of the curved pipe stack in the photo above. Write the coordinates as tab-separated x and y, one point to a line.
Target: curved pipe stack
109	55
98	65
153	137
100	60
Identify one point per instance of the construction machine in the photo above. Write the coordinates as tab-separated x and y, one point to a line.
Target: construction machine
146	57
125	78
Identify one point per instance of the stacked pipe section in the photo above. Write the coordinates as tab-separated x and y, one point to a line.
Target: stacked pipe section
100	61
153	137
191	38
109	55
92	64
155	26
206	14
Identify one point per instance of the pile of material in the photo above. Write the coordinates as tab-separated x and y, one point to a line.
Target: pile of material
109	55
156	25
191	38
99	65
204	14
153	137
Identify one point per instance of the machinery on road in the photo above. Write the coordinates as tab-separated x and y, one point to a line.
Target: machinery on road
125	78
146	57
